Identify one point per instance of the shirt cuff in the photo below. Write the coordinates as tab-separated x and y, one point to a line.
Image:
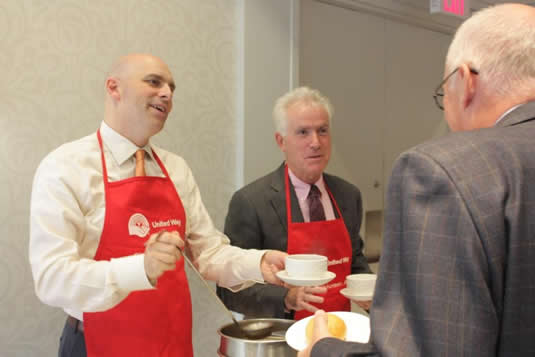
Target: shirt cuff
250	272
130	273
256	258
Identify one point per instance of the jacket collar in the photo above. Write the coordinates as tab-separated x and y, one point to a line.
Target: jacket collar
278	198
522	113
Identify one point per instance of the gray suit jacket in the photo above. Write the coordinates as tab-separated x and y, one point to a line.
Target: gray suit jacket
257	219
456	276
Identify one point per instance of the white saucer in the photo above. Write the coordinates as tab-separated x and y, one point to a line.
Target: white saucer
316	281
358	329
354	296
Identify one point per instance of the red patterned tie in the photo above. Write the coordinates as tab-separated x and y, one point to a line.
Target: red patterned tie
314	203
140	163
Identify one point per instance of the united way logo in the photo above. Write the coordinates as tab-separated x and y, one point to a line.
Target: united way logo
138	225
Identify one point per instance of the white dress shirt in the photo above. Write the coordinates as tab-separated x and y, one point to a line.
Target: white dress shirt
302	190
67	216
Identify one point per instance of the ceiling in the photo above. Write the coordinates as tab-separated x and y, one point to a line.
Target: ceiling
490	2
475	4
416	12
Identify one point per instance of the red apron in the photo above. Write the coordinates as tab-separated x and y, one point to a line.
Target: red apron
329	238
149	323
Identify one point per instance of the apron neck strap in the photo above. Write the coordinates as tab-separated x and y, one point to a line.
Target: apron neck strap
103	160
289	197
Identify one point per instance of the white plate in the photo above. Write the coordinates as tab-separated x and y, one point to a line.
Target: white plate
358	329
355	297
327	276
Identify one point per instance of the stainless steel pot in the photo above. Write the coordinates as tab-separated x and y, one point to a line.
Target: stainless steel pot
234	344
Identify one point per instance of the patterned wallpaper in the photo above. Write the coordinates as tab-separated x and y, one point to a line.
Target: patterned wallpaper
53	58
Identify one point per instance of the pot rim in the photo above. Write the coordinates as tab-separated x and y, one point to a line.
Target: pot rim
263	340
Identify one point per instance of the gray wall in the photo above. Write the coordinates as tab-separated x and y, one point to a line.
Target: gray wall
381	76
270	70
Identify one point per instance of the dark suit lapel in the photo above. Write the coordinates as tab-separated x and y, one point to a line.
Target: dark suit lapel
278	199
338	196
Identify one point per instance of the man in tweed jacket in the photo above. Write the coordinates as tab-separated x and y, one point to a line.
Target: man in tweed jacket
457	271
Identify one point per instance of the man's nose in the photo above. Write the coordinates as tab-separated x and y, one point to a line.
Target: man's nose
166	91
314	140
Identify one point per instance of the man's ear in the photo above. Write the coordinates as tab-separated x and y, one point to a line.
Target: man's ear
280	140
112	88
469	84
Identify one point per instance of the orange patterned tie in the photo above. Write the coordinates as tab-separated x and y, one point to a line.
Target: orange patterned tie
140	162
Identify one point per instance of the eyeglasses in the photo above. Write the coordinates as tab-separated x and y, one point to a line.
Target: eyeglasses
439	91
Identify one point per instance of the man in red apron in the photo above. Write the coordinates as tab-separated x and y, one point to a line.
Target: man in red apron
110	242
163	324
274	213
325	237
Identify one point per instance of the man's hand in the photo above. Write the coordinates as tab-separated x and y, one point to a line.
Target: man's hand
298	298
272	262
320	331
364	305
163	250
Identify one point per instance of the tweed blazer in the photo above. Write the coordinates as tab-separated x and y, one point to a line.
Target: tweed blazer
456	276
257	219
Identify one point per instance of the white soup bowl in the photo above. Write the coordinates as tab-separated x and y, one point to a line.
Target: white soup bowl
306	265
361	284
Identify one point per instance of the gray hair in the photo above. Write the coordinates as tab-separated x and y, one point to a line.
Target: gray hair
500	47
301	94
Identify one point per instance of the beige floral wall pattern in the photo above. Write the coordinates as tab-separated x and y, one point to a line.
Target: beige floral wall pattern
53	60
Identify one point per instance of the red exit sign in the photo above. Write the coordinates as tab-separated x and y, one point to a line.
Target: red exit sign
459	8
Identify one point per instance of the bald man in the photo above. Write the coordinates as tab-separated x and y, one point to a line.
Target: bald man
110	216
456	276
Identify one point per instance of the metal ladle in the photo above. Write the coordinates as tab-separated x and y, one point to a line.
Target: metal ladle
254	330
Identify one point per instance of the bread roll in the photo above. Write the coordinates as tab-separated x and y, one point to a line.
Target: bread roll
336	326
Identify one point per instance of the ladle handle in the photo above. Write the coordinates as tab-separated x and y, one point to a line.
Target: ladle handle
208	287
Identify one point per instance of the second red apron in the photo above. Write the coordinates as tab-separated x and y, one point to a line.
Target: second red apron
329	238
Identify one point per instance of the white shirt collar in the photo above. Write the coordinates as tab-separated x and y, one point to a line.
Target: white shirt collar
120	147
302	188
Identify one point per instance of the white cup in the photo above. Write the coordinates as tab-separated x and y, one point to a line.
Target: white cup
361	284
306	265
